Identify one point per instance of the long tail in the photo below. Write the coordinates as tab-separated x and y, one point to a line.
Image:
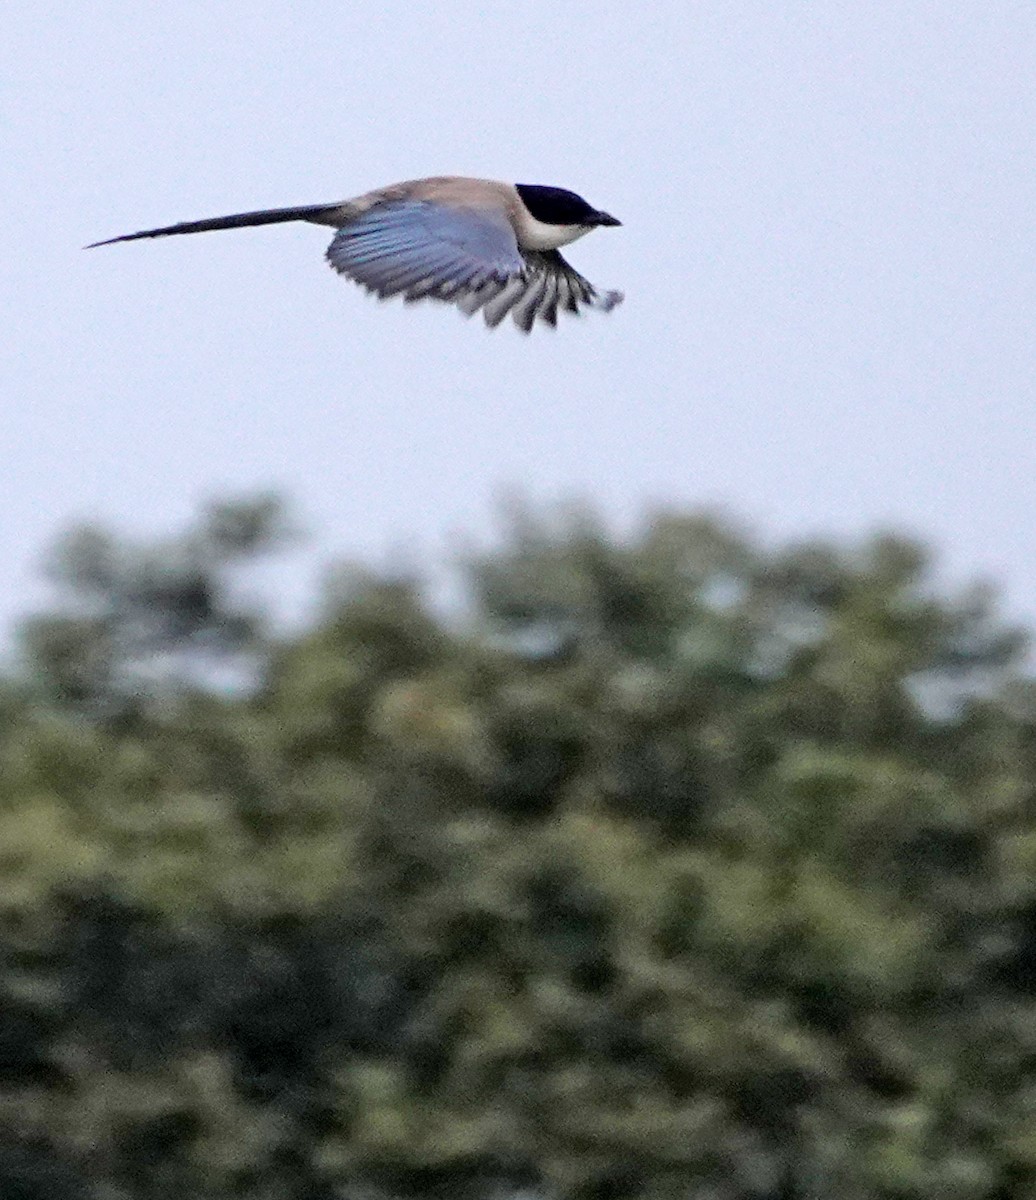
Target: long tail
268	216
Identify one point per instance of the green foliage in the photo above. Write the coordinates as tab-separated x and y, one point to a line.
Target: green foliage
677	866
137	620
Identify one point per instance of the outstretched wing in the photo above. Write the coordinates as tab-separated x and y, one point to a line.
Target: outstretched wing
420	249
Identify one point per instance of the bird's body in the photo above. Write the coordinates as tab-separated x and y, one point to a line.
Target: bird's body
476	243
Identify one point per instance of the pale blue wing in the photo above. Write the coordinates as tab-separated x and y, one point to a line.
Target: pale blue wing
420	248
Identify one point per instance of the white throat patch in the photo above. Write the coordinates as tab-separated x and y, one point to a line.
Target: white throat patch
536	235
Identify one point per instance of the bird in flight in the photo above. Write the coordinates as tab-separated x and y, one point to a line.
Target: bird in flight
484	246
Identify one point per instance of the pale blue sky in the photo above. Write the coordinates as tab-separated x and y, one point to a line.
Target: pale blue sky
827	255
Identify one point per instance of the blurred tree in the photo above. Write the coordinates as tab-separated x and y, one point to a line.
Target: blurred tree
677	866
136	620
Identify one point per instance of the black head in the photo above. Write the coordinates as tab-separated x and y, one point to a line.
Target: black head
558	206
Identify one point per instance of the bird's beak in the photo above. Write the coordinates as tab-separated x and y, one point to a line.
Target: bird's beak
603	218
